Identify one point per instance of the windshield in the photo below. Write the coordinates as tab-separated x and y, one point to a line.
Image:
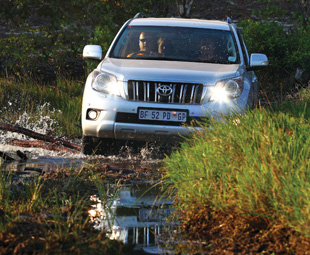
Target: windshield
176	44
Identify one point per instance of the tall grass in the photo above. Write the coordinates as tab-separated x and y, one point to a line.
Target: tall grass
61	102
256	164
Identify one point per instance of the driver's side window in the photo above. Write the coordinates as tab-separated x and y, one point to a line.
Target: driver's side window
133	43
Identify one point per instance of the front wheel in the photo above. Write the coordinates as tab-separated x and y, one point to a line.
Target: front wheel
89	145
99	146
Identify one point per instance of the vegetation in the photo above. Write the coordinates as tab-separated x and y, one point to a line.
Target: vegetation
47	37
288	52
251	165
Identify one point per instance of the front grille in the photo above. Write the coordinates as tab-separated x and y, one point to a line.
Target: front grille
148	91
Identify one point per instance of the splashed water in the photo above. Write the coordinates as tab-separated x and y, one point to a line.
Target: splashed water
43	121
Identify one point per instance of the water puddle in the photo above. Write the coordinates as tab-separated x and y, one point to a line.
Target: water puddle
138	216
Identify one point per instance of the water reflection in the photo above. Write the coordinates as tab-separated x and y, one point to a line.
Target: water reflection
138	219
41	165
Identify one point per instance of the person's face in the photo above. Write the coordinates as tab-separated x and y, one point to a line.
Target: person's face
208	48
144	42
161	46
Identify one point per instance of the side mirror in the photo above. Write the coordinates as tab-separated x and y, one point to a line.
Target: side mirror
258	59
92	52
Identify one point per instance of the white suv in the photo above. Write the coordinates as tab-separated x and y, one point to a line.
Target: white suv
160	75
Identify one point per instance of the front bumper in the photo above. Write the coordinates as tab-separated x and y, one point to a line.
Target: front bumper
129	131
109	124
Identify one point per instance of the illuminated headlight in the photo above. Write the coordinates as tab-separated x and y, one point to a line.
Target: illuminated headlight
106	83
226	89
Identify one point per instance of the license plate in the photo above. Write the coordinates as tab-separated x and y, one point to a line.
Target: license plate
162	115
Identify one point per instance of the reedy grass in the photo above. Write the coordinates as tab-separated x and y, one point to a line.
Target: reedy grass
63	100
256	164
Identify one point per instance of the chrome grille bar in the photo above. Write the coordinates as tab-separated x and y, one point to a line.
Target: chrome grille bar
134	90
184	94
173	93
196	93
156	94
144	91
148	91
192	94
137	90
170	96
181	93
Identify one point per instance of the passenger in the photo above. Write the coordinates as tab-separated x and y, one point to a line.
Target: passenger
161	46
207	51
165	47
146	45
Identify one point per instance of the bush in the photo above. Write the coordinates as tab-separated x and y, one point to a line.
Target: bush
287	50
40	54
256	164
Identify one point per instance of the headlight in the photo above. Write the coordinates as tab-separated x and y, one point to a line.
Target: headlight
106	83
226	89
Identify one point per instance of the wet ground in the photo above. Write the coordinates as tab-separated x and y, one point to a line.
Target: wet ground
136	213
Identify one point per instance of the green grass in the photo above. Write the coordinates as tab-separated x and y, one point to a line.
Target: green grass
43	106
256	164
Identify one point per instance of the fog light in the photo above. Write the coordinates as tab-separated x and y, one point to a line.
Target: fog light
92	114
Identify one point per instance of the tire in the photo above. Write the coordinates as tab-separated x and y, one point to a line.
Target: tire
89	145
98	146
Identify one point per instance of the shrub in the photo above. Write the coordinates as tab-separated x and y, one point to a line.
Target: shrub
287	50
257	164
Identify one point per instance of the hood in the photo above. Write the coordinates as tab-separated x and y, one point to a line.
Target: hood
170	71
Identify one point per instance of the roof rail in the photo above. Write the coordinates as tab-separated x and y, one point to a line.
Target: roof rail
137	15
140	15
229	20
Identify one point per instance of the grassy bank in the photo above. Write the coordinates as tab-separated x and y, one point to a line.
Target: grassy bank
42	107
255	165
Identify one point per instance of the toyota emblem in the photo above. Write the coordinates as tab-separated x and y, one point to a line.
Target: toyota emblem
164	90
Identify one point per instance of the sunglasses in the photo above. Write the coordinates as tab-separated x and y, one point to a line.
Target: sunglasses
143	40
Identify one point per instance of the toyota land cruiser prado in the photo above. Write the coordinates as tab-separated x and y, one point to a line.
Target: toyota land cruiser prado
160	74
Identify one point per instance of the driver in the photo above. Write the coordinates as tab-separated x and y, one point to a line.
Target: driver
145	45
144	42
207	51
